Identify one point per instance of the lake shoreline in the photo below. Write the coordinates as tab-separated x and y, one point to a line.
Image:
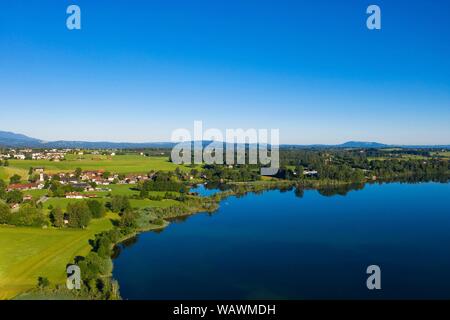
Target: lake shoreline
234	215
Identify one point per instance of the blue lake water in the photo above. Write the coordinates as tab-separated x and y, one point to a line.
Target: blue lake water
203	191
276	245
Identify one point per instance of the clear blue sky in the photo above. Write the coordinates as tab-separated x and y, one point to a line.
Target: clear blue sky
140	69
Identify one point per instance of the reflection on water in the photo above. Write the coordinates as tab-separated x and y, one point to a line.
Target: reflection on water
299	244
209	189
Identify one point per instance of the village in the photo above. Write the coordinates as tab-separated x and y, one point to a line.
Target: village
29	154
82	181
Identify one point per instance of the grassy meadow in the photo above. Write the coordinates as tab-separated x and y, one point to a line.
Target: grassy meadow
122	164
7	172
27	253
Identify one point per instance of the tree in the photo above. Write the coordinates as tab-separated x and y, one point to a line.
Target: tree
6	163
33	178
79	214
14	196
5	213
106	174
78	172
28	215
15	179
57	217
143	194
120	203
2	190
96	208
43	282
128	219
94	266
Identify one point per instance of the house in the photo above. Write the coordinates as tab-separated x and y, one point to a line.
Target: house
37	156
131	179
77	195
26	186
28	197
19	156
74	195
81	185
88	175
310	172
14	205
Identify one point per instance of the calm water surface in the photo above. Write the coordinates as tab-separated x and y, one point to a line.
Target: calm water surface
278	245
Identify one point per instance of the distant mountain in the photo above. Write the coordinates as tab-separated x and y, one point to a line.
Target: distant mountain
360	144
364	145
15	140
10	139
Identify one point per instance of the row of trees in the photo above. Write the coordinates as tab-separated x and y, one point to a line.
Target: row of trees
28	215
356	165
239	173
14	196
163	181
4	163
78	214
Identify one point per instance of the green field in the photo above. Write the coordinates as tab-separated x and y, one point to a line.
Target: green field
7	172
135	203
36	193
118	164
27	253
444	154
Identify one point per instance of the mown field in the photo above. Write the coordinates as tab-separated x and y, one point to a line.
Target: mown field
27	253
7	172
444	154
124	164
135	203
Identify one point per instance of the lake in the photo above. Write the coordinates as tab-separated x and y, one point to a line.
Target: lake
299	245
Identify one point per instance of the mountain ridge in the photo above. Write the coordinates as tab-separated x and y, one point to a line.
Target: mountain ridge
14	140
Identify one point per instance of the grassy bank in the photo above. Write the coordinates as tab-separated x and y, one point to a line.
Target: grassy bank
27	253
123	164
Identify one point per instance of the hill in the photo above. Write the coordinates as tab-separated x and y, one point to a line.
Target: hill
15	140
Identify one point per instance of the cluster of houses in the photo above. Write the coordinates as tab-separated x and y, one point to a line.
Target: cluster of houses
88	181
99	178
308	173
51	155
78	195
25	186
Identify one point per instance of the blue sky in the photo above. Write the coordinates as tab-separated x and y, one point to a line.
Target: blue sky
137	70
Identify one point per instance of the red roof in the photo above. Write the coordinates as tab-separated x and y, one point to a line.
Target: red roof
19	186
